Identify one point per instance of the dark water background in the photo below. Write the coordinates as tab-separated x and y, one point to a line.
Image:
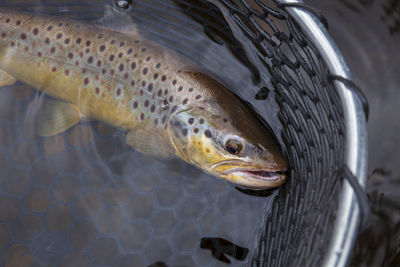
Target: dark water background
368	34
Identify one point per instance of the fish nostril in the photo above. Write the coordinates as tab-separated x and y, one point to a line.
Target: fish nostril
259	150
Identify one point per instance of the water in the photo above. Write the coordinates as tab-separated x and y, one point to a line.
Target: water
368	34
84	198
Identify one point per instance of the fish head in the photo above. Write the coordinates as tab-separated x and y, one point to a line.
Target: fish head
238	149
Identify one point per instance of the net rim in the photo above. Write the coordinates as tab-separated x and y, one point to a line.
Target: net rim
347	219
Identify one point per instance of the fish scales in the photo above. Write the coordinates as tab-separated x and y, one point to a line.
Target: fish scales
113	77
168	106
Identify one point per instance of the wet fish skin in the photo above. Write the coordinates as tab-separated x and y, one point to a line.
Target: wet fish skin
167	106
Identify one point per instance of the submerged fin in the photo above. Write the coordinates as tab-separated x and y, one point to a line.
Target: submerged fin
118	21
6	79
150	142
57	117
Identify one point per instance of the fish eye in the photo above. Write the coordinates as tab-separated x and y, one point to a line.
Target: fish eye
233	146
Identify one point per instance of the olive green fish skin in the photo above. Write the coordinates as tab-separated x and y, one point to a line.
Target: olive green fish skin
168	106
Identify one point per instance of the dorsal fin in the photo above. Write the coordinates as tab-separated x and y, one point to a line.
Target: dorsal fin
118	21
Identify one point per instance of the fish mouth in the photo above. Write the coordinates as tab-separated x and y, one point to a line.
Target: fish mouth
264	175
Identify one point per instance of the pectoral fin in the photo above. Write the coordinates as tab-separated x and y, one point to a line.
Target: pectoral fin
150	142
57	117
6	79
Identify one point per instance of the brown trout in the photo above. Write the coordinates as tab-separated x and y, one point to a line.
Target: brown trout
166	106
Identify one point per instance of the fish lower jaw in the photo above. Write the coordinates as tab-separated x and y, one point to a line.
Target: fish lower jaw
262	175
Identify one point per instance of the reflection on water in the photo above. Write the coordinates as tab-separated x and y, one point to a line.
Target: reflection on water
84	198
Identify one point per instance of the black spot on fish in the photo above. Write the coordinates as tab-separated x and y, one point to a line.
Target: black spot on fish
102	48
100	36
184	102
196	130
155	76
153	108
23	36
158	65
122	44
142	116
198	96
133	65
18	22
145	70
159	93
201	121
90	60
174	108
88	43
155	121
150	87
130	50
111	57
35	31
207	133
191	121
67	41
148	58
120	55
225	120
59	36
146	103
135	104
180	88
121	67
164	118
185	132
163	78
79	40
143	49
48	28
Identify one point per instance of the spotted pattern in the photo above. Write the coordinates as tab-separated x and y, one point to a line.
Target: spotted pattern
125	71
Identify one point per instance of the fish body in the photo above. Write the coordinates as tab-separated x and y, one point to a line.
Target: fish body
167	106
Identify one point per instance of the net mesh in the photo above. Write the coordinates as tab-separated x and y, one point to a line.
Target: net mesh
57	192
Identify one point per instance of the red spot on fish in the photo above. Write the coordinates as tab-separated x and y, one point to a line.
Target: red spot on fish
132	83
104	71
83	71
126	76
166	92
112	72
70	55
81	54
47	41
12	44
97	90
143	83
54	69
76	63
26	49
142	116
96	77
135	104
53	50
7	20
118	91
3	35
87	50
39	54
66	72
86	81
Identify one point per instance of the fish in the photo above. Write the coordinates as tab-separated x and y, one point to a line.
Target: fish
167	105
